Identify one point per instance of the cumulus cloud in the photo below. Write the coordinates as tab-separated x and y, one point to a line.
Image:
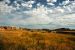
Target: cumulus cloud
50	4
7	1
67	20
40	17
5	8
28	4
51	0
65	2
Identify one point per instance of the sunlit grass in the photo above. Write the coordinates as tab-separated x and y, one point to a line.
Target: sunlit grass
34	40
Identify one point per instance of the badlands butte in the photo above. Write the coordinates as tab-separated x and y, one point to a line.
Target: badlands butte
17	38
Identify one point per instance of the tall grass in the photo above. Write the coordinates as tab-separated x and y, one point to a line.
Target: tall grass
27	40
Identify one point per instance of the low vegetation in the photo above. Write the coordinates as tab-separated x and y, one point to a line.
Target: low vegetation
21	39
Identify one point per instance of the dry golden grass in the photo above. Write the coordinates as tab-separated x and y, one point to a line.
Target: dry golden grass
27	40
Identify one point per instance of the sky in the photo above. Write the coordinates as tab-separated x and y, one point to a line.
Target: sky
38	14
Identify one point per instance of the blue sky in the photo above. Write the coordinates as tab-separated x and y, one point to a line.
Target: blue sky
49	14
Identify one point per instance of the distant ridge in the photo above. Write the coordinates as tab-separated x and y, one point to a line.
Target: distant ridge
20	28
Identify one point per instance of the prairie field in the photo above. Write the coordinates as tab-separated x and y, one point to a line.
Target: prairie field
35	40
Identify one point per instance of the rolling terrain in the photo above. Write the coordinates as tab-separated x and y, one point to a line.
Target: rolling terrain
12	38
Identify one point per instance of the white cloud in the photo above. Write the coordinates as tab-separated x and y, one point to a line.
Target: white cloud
60	10
50	11
32	2
51	0
38	4
51	4
7	1
38	20
48	0
50	17
65	2
54	0
39	10
38	16
4	8
68	19
28	4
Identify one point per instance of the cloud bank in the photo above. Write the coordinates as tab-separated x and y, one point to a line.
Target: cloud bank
24	14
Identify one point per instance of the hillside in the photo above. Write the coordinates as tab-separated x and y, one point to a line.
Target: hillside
12	38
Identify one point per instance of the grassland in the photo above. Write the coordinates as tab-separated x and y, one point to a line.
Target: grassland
35	40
